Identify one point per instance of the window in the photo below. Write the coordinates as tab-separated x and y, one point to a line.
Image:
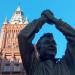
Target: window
9	46
17	12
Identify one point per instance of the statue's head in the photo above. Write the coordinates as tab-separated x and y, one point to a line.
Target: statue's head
46	46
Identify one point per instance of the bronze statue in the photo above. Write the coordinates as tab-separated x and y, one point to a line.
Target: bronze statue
40	59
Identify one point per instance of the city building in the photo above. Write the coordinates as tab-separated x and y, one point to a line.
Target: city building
10	60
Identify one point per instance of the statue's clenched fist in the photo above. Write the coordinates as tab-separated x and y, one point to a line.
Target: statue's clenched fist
49	15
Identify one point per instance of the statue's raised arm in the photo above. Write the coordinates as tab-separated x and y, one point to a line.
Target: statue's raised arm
25	38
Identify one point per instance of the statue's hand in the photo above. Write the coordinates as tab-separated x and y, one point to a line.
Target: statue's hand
49	15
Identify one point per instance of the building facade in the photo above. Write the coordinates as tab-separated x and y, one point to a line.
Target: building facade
10	60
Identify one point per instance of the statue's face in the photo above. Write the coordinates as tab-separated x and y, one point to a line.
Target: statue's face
46	46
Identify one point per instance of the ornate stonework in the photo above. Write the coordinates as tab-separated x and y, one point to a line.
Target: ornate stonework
10	60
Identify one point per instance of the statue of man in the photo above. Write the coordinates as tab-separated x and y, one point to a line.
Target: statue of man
40	59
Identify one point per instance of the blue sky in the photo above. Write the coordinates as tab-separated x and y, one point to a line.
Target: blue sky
32	9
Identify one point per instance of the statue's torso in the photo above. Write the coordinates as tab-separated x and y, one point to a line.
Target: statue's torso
50	68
